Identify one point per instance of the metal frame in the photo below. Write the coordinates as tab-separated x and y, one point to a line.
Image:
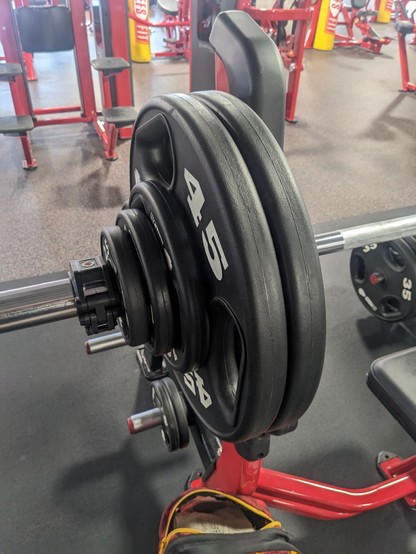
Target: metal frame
407	85
306	497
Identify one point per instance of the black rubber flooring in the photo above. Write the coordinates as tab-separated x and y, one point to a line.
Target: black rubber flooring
74	481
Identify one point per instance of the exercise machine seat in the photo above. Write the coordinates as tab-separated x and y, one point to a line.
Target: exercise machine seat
392	379
405	27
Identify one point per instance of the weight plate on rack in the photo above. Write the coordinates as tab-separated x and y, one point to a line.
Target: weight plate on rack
295	249
119	253
203	203
156	272
161	398
384	278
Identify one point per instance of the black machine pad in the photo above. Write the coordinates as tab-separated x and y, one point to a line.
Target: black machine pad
392	379
45	29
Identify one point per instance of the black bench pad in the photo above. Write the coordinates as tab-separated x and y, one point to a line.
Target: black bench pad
120	116
8	71
405	27
15	124
392	379
110	64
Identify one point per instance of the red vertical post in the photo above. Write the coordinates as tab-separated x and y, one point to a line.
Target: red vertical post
18	87
82	58
296	68
404	64
310	35
12	54
120	47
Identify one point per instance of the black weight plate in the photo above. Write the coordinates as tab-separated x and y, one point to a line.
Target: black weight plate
384	278
180	412
118	251
161	399
202	180
191	344
156	272
295	249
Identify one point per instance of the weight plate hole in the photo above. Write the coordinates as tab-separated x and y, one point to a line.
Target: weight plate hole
153	151
394	257
390	307
358	269
228	346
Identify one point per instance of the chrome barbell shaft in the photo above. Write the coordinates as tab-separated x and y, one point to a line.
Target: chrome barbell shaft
36	304
369	233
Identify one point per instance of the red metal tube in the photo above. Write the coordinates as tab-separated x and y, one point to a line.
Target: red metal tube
58	109
305	496
404	64
62	121
295	14
307	493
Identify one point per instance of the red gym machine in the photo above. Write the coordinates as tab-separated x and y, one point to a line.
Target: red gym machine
21	30
358	15
405	25
175	22
291	45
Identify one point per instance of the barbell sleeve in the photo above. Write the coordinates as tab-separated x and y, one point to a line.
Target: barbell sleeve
104	343
143	421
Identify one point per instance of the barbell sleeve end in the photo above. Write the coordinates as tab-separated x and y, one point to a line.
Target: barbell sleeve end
143	421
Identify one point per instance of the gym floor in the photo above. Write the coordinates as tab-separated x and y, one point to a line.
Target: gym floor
72	479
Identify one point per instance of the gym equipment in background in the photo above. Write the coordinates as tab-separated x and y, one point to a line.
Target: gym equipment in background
23	30
175	22
323	34
274	22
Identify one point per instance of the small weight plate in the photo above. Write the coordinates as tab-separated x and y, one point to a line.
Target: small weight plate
384	278
196	178
295	249
156	272
191	344
161	399
180	411
119	253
